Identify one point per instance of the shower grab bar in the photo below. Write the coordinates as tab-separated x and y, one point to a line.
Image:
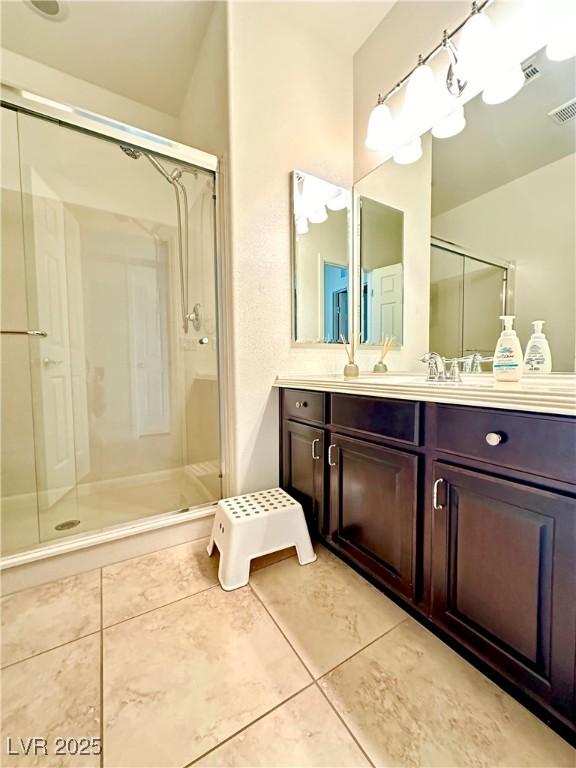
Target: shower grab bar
25	333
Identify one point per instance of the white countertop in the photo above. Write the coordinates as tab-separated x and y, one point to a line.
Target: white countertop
539	393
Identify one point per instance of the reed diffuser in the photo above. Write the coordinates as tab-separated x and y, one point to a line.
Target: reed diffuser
380	366
351	370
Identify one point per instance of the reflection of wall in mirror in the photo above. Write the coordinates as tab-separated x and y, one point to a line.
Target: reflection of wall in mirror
529	222
325	243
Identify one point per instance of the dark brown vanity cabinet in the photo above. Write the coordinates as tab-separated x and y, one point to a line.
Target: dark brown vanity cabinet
302	470
373	508
504	577
466	513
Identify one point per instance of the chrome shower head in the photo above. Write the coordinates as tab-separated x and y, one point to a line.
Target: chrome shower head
131	152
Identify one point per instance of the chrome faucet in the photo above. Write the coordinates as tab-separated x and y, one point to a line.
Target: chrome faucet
436	367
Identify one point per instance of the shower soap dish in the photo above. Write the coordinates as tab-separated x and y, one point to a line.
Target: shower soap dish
253	525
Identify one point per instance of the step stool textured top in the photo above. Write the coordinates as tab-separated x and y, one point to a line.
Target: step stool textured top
262	503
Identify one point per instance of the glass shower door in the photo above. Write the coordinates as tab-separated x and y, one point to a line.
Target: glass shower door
19	501
124	399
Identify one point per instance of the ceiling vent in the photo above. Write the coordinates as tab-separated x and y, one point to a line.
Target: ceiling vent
564	112
531	71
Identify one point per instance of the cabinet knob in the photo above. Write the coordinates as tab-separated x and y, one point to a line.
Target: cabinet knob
494	438
301	404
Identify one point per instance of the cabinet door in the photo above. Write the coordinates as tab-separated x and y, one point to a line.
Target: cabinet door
504	577
373	493
302	468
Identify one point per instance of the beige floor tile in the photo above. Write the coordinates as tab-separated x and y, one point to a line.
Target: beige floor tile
56	694
273	557
412	701
182	678
143	583
37	619
303	732
327	611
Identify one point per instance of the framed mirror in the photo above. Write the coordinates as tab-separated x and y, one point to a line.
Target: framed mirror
321	246
504	219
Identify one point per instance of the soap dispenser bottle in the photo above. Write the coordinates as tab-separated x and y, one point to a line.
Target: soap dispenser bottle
508	360
538	358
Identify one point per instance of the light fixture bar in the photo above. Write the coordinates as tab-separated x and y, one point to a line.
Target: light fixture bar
477	7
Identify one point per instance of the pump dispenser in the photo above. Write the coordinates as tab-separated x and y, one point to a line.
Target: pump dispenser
508	362
538	358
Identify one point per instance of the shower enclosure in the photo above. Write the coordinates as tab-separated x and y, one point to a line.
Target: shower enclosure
109	346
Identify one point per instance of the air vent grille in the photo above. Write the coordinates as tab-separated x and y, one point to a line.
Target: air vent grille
564	112
531	71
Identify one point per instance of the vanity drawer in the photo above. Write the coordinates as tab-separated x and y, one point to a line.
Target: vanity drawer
540	445
302	405
392	419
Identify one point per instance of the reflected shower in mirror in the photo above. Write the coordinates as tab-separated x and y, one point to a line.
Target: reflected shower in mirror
504	216
381	282
321	260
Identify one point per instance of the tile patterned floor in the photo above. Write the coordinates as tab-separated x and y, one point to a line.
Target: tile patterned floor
308	666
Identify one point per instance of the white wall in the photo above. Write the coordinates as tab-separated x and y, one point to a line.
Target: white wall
529	221
204	113
25	73
290	107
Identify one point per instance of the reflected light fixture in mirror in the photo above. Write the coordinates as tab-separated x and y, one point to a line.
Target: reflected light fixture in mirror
320	260
409	153
562	35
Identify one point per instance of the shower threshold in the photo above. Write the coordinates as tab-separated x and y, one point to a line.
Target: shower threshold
103	536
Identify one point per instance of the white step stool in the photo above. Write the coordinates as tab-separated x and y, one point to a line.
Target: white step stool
254	525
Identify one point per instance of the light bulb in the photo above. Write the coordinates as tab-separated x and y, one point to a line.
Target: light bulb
505	85
420	101
318	215
339	202
380	125
301	225
477	45
409	153
560	21
562	44
450	125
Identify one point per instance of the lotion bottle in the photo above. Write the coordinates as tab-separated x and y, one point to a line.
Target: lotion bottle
508	359
538	358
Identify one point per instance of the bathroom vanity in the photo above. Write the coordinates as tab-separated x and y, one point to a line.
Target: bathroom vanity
461	502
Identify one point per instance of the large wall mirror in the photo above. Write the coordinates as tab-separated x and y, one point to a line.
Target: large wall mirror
320	260
504	219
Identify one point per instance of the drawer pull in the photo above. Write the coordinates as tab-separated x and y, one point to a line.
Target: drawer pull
494	438
301	404
435	504
330	462
314	442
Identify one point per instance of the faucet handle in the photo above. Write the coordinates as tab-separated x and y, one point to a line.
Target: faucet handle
454	372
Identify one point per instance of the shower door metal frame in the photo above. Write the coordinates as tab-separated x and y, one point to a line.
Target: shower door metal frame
106	128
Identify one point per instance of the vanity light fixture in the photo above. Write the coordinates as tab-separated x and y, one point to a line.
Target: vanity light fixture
562	36
481	63
380	126
486	63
